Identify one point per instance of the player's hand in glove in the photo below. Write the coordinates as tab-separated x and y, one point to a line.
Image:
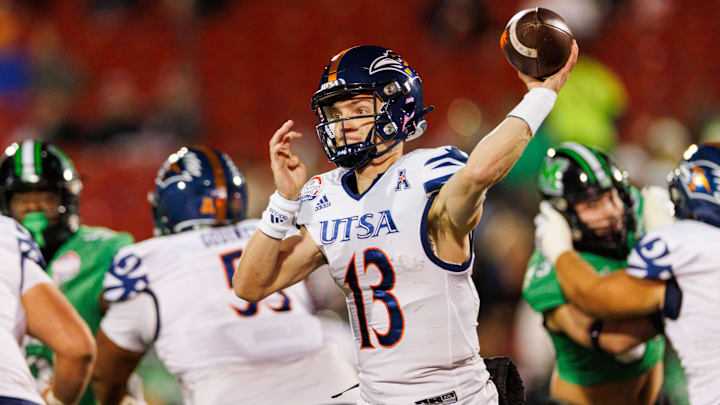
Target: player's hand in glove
552	232
656	207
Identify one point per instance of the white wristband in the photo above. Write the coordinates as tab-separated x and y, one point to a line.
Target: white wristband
279	216
535	106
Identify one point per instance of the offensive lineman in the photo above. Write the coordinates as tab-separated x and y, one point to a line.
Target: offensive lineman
174	292
30	303
40	188
674	268
395	229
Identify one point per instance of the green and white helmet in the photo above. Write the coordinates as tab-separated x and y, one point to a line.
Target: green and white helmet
572	173
39	166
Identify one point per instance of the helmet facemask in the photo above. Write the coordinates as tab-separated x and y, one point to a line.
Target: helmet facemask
615	244
333	135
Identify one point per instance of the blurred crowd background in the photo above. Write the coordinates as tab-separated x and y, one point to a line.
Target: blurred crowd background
120	84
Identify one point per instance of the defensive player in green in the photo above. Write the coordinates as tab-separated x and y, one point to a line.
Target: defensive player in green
39	187
612	362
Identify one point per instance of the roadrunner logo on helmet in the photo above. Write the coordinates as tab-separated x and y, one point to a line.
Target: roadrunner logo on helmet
197	187
572	173
695	184
394	85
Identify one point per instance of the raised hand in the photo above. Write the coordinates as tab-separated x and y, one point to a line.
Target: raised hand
552	232
289	171
556	81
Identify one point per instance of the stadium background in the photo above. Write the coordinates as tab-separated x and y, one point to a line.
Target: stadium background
119	84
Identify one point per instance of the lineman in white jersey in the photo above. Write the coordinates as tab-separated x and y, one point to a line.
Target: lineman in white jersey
395	229
675	268
30	303
174	292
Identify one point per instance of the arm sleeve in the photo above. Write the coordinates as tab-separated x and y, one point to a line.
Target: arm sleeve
132	324
541	289
126	277
656	257
33	275
440	166
32	264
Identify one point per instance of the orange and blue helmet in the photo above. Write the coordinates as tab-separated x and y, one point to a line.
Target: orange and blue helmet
695	184
197	187
386	75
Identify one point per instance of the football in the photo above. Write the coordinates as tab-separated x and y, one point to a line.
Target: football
537	42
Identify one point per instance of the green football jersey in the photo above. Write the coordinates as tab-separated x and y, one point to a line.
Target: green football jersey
78	269
575	363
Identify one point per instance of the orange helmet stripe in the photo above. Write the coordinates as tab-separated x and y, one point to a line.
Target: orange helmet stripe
219	174
334	63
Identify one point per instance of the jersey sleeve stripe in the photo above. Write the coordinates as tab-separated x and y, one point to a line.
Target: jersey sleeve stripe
445	164
450	153
453	267
435	184
157	312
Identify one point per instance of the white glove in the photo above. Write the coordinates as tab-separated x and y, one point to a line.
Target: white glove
552	232
657	207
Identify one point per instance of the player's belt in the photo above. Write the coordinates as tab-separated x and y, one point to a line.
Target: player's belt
446	398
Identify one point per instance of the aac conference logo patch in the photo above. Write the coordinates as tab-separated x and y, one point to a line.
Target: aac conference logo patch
311	190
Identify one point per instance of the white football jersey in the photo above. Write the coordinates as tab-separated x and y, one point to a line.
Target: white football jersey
686	256
20	271
176	292
414	316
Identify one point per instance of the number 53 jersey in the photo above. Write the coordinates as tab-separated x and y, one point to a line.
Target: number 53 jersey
414	316
175	292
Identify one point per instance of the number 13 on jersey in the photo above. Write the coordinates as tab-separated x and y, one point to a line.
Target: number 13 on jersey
374	257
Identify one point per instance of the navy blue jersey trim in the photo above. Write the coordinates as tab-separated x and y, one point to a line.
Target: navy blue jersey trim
22	277
445	164
157	312
673	299
451	152
436	184
15	401
357	197
425	240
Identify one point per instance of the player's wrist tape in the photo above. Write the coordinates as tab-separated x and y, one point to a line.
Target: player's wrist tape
595	330
279	216
534	107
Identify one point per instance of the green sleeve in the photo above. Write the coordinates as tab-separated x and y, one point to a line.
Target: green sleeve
541	289
79	267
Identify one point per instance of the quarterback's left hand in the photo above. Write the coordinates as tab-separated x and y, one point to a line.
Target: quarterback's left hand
552	232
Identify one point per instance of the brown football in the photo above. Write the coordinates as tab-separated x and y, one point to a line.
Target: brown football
537	42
